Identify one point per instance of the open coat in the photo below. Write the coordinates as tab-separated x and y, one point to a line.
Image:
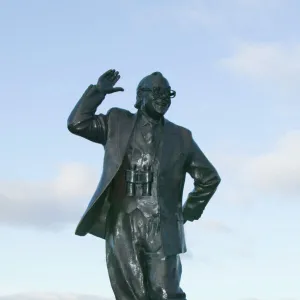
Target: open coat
178	155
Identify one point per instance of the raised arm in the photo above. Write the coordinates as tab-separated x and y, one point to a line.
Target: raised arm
206	181
82	120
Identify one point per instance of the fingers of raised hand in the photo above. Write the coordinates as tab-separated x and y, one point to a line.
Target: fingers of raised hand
107	73
118	89
111	75
116	78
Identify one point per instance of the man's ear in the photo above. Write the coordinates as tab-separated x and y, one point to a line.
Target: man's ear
139	95
138	99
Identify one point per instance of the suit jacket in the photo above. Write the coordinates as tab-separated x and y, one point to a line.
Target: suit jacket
179	155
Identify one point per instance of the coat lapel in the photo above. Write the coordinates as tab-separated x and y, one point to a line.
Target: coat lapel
170	148
124	132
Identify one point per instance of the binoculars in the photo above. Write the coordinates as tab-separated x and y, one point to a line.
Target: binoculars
134	177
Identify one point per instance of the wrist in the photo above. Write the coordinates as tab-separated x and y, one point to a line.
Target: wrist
95	90
100	91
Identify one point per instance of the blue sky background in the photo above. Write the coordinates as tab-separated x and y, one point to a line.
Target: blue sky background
235	65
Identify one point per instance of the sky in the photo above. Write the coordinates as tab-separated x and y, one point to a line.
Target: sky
235	66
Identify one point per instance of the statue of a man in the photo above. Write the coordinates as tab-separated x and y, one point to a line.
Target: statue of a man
137	206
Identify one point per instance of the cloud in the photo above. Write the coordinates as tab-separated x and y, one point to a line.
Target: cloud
226	17
60	201
273	62
55	296
54	203
277	171
251	298
274	172
48	204
50	296
254	298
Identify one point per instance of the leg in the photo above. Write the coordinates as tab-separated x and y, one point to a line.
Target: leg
163	272
123	259
164	278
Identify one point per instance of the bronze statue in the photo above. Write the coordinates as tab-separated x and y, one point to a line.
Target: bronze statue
137	206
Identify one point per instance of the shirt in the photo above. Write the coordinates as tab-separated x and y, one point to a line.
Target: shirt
143	148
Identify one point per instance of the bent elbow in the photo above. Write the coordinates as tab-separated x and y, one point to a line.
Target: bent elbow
218	179
214	181
72	127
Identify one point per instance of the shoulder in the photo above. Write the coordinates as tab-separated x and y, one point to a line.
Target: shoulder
180	130
184	135
119	112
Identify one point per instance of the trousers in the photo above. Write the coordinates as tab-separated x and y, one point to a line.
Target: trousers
137	266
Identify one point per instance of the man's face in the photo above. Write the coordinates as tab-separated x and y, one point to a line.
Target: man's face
156	100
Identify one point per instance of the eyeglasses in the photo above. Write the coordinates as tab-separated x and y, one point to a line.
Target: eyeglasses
159	92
